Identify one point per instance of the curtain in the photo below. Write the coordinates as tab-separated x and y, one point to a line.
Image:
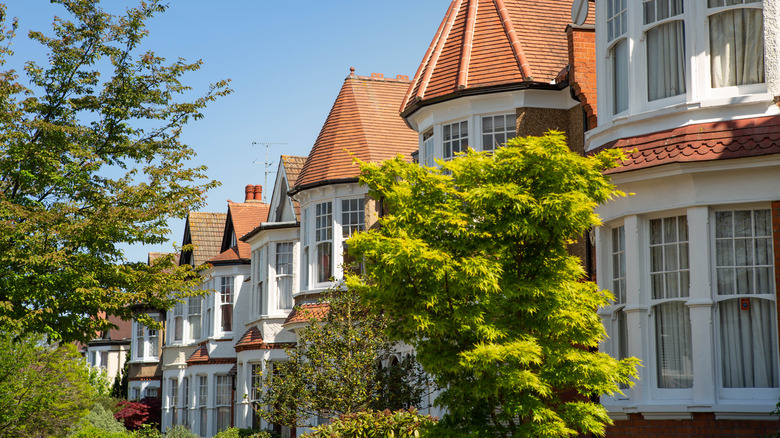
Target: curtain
748	356
666	60
673	345
620	76
737	47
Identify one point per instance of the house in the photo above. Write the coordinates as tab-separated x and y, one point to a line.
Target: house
690	89
108	349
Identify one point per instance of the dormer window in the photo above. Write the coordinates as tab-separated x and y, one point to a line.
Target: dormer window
736	42
618	53
664	31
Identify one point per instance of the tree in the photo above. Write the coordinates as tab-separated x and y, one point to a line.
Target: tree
121	383
44	388
335	368
471	268
90	159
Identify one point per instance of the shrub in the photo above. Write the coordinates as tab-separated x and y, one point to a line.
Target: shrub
373	424
136	414
101	417
234	432
148	431
179	431
91	431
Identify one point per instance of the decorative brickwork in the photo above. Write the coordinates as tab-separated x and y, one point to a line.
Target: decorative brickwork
701	425
582	62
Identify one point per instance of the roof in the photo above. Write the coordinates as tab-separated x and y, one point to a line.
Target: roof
487	43
242	218
201	355
306	312
205	233
252	338
364	121
292	168
700	142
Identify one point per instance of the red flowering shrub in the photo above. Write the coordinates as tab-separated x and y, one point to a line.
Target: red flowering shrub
136	414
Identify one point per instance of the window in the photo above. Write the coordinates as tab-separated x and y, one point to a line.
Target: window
736	42
185	392
194	306
305	252
178	322
260	274
226	303
455	139
103	359
619	323
665	38
669	274
134	394
203	397
174	401
147	342
496	130
222	402
323	237
746	298
352	221
255	390
618	52
150	391
284	274
427	148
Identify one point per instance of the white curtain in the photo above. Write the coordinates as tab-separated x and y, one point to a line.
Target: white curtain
673	345
666	60
737	47
748	356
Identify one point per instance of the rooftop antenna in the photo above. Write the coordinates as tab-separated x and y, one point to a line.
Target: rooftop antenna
267	164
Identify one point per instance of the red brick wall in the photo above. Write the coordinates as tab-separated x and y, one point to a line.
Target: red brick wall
702	425
582	60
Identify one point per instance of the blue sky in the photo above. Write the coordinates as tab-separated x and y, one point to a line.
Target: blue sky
286	60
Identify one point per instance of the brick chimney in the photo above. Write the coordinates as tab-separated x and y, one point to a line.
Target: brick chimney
258	192
250	193
582	59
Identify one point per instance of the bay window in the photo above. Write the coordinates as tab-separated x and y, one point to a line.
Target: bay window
736	42
427	148
618	317
323	238
284	275
178	322
260	270
496	130
222	402
305	251
617	21
226	303
664	31
194	306
455	139
147	341
746	298
173	401
352	221
185	392
203	398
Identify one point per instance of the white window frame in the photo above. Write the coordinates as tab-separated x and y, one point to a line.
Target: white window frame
620	20
173	400
450	142
227	298
510	121
177	323
143	338
348	227
260	283
286	264
202	402
194	313
305	251
323	234
427	148
222	401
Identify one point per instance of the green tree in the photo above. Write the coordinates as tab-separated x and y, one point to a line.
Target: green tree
120	385
44	389
335	370
90	160
471	268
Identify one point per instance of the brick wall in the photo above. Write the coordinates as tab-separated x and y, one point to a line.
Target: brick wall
701	425
582	62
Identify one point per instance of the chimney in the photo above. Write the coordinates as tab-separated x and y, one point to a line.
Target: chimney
258	193
250	193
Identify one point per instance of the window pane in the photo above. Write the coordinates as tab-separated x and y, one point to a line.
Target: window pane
747	343
723	224
666	52
737	47
324	262
673	345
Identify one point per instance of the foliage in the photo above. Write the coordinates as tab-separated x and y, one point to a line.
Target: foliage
98	378
144	412
179	431
96	432
373	424
120	386
101	416
402	385
471	268
334	369
234	432
44	389
90	160
147	431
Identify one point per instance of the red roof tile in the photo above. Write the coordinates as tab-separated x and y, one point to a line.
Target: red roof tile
484	43
306	312
242	218
205	233
200	355
292	168
701	142
364	121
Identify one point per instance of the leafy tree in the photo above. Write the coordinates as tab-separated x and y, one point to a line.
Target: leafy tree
471	268
101	416
335	369
371	424
98	378
135	415
44	389
120	386
90	159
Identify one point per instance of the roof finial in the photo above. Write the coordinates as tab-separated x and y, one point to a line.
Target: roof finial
352	71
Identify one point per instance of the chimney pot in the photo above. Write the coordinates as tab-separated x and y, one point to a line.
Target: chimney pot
250	192
258	192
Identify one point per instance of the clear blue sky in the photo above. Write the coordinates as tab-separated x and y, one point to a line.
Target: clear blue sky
287	61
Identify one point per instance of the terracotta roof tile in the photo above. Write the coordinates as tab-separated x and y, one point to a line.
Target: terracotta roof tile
700	142
306	312
364	121
292	168
252	338
242	218
205	231
200	355
483	43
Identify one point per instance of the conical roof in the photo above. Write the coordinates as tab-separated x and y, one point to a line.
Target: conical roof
364	121
489	43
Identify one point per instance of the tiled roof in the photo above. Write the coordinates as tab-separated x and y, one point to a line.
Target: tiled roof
252	338
485	43
206	234
243	217
305	312
701	142
292	168
200	355
364	121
